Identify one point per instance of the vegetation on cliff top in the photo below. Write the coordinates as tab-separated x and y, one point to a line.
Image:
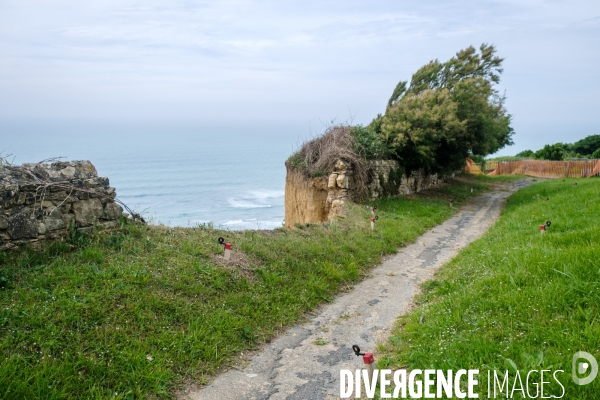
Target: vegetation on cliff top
317	157
135	312
449	111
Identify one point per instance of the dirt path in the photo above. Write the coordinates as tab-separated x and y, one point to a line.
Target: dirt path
294	367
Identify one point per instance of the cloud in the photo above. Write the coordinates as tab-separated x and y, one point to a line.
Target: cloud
287	60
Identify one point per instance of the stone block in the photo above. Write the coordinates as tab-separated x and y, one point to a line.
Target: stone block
22	225
3	223
47	204
29	198
87	211
53	224
112	211
54	212
342	181
340	165
103	181
67	219
331	181
14	210
65	208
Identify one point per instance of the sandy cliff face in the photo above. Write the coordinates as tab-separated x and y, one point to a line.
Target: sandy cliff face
316	200
305	198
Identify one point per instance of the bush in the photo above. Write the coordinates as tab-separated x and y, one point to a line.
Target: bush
449	111
587	146
424	132
368	143
525	153
554	152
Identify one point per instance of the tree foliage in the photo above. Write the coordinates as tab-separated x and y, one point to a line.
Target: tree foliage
425	132
397	93
587	145
554	152
449	111
368	143
525	153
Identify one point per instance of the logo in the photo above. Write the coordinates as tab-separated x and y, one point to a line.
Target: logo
580	368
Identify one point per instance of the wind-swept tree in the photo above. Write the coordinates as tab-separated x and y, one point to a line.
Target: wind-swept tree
448	111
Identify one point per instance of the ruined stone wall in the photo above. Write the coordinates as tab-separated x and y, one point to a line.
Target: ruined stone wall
321	199
41	201
388	179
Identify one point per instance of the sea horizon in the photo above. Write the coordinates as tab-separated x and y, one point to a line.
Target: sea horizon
174	174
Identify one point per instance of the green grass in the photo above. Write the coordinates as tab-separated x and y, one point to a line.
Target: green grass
139	311
515	298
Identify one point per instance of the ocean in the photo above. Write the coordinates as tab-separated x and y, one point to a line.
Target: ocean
174	174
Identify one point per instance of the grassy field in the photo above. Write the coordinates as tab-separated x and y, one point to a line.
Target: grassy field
515	299
136	312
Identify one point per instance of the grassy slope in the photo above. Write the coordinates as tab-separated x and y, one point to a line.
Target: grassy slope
515	294
136	312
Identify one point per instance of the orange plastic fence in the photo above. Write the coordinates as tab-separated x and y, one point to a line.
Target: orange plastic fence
548	169
491	165
471	167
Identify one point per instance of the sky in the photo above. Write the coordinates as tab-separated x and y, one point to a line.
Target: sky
290	63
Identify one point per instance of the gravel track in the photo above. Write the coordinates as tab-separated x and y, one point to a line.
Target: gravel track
294	367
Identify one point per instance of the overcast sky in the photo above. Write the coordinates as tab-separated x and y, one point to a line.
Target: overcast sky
290	62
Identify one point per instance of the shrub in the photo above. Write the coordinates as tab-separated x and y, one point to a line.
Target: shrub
587	146
525	153
449	111
554	152
369	144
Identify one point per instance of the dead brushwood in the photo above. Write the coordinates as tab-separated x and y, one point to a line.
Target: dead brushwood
317	157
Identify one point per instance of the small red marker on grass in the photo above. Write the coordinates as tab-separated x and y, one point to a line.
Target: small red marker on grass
544	226
227	253
368	359
373	222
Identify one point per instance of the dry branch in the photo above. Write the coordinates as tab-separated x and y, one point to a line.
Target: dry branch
318	156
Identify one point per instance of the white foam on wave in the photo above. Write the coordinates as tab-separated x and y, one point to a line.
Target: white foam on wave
256	199
233	222
252	223
235	203
266	194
